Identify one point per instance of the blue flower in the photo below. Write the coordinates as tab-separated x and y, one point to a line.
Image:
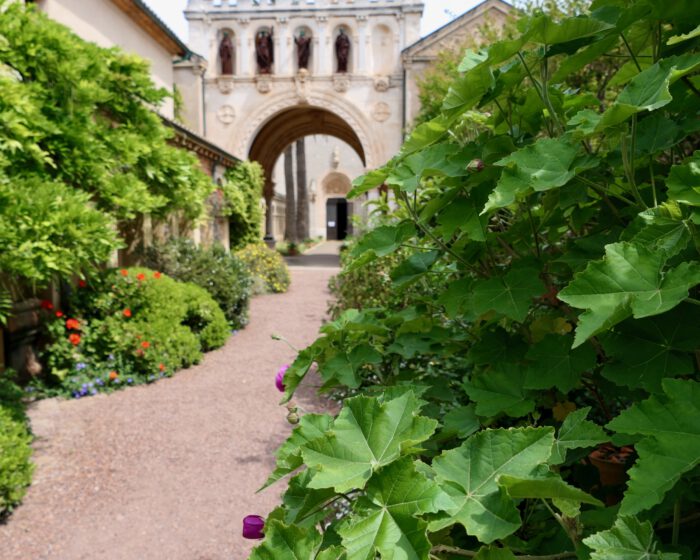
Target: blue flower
76	394
151	377
29	389
110	357
93	392
84	387
130	380
80	366
99	382
117	380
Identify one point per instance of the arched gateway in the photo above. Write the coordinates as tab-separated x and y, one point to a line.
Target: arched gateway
285	69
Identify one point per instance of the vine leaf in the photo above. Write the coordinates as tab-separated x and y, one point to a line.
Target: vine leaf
645	351
576	432
385	239
629	281
671	446
500	389
287	541
394	497
628	539
544	165
550	487
469	475
554	364
414	267
311	426
367	434
510	295
302	502
684	181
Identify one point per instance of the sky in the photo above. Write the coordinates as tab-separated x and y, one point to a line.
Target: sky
436	13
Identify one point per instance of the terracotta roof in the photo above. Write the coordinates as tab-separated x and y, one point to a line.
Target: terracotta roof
147	19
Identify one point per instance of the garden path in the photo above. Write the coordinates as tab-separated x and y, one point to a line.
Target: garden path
167	471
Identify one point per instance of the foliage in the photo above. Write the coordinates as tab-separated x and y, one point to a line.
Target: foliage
128	327
15	467
243	189
557	252
269	271
81	150
221	274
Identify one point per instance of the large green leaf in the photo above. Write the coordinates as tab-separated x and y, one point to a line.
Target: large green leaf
311	426
684	181
385	239
545	30
628	539
645	351
577	432
304	503
414	267
469	475
544	165
367	182
289	542
387	522
367	434
510	295
555	364
629	281
551	487
671	446
500	389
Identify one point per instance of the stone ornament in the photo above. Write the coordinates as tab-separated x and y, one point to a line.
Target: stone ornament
382	83
381	112
225	84
341	83
226	114
263	83
301	83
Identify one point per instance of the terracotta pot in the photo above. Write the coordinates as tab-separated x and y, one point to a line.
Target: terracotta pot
612	464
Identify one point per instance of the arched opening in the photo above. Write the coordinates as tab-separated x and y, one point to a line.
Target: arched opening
286	127
383	50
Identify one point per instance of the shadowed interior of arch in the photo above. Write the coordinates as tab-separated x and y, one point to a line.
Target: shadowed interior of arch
290	125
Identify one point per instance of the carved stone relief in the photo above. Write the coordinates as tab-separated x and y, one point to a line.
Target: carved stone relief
225	84
382	83
381	112
341	83
226	114
263	83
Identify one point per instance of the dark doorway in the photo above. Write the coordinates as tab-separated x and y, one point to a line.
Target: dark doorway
337	213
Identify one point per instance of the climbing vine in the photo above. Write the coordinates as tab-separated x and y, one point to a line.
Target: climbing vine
539	396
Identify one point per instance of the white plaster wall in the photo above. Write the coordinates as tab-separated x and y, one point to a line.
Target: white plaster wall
101	22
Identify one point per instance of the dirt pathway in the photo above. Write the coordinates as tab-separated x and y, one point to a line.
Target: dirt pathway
167	471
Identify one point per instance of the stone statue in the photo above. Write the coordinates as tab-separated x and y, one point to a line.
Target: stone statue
342	50
264	52
226	55
303	50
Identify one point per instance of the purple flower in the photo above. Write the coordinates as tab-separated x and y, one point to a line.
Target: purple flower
130	380
99	382
117	380
110	357
279	378
253	526
80	365
93	392
76	394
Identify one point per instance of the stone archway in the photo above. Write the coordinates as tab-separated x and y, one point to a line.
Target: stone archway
289	124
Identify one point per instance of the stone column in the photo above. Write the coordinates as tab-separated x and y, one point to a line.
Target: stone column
245	47
283	47
364	52
324	54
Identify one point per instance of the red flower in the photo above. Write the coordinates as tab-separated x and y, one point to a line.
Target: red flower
59	314
140	276
46	304
82	284
124	272
72	324
127	312
145	344
74	339
157	275
161	367
113	375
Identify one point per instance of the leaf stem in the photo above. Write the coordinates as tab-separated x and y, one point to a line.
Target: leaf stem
534	232
567	530
629	49
443	548
692	300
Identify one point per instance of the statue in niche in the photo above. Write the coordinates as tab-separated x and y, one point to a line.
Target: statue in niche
264	52
226	55
303	50
342	50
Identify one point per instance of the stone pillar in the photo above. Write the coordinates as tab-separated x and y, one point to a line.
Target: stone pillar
325	54
245	48
364	52
283	47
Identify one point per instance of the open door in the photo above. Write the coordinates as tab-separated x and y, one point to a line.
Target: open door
336	218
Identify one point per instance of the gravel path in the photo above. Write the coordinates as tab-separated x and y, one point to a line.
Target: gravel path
167	471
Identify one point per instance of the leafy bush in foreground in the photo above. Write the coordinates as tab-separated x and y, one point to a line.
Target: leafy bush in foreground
221	274
539	398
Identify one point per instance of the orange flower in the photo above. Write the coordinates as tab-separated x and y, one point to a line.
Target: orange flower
127	312
140	276
74	339
113	375
124	272
161	367
145	344
46	304
59	314
72	324
157	275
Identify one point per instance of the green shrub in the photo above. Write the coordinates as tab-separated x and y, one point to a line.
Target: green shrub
270	272
15	452
221	274
128	327
242	189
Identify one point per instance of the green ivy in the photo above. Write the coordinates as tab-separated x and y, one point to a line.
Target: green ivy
555	328
243	189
